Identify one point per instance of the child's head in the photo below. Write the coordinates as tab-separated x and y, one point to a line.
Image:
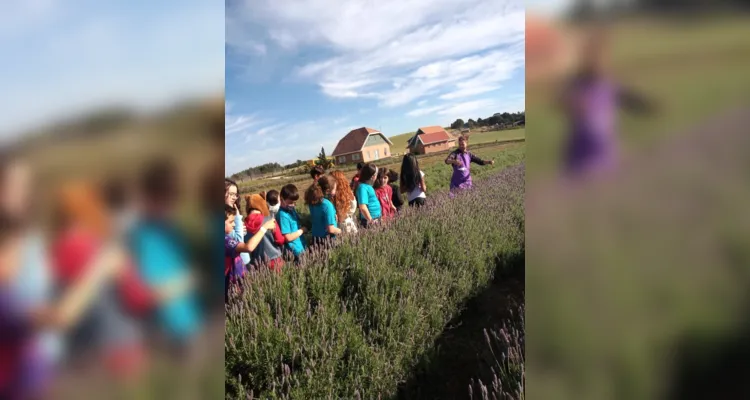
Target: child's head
289	196
343	194
382	178
231	192
229	214
410	173
324	187
316	172
392	176
159	186
257	202
463	142
272	197
360	165
368	172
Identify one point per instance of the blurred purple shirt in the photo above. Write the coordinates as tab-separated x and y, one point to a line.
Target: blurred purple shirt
592	142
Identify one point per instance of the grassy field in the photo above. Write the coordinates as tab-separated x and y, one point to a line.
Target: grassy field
692	69
483	139
374	317
654	261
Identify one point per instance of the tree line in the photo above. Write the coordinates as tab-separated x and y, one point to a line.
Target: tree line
265	169
502	120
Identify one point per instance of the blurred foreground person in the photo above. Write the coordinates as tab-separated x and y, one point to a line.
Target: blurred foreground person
591	102
161	253
32	320
109	331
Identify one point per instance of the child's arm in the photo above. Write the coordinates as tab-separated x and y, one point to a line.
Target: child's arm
238	228
423	183
290	237
278	237
365	212
333	230
452	159
255	240
106	264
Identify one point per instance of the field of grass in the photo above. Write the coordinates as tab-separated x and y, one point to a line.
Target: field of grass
482	147
653	261
373	318
691	69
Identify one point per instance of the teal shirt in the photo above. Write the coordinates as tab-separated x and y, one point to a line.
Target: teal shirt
322	216
366	195
160	251
288	221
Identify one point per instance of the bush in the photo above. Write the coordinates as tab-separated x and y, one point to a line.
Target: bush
353	322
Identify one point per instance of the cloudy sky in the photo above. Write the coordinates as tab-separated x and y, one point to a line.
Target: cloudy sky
61	58
302	73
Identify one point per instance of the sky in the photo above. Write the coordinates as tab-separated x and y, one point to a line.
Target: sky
63	58
300	74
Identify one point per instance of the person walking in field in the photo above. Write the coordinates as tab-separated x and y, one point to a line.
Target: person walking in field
461	160
288	221
396	198
384	193
591	102
322	212
368	203
345	203
269	249
412	181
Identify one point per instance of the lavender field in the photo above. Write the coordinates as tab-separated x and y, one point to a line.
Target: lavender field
384	313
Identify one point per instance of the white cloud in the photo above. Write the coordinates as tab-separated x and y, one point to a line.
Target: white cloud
393	51
479	108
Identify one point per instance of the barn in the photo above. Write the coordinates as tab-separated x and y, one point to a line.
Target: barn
362	145
430	139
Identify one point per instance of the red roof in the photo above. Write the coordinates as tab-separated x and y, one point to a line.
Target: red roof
430	135
354	141
435	137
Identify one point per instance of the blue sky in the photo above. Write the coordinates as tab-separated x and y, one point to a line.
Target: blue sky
62	58
301	73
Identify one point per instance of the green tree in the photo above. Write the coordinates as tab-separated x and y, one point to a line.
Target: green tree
458	124
323	160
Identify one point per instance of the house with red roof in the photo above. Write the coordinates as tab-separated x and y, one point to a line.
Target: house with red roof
362	145
430	139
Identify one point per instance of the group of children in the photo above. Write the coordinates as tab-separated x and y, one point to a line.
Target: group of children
108	274
272	225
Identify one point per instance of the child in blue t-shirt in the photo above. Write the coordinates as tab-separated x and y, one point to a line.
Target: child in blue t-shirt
322	211
367	201
288	221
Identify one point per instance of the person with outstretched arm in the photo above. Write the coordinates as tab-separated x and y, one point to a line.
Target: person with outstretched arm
461	160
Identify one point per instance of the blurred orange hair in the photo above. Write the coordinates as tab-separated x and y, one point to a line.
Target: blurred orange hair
82	204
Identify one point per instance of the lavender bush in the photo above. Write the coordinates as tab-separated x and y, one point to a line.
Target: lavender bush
354	319
505	359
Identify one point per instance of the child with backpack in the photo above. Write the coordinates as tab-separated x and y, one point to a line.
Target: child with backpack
396	198
269	250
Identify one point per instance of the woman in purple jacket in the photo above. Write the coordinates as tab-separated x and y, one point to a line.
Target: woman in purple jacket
591	102
461	160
